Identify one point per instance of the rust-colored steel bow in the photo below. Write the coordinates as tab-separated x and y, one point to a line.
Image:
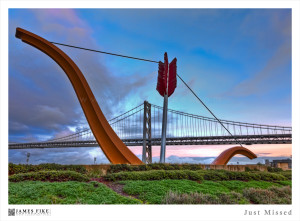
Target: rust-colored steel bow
226	155
113	147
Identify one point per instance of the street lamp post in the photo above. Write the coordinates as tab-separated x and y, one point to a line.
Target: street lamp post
27	160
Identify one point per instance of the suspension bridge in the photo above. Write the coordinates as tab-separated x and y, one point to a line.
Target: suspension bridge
141	126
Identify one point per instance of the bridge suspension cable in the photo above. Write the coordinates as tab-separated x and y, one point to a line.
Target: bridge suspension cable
208	109
181	125
142	59
183	129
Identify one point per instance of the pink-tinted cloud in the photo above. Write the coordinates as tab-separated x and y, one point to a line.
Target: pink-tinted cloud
275	150
68	16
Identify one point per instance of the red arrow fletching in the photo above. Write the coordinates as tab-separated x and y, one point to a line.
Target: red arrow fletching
172	77
161	87
162	79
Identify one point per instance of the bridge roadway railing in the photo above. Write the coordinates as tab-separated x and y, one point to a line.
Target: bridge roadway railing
224	140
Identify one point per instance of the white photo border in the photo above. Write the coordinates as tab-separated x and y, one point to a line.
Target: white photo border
150	212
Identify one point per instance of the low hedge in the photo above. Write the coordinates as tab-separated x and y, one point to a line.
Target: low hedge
155	175
154	166
274	169
49	176
25	168
219	175
287	174
214	175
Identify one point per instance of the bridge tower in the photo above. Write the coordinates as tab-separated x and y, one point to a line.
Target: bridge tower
147	148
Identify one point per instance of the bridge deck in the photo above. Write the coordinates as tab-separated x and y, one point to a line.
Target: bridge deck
214	140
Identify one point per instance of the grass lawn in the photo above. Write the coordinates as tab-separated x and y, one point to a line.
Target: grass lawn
155	186
153	192
71	192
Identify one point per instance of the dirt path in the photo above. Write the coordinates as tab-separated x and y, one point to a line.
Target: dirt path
117	187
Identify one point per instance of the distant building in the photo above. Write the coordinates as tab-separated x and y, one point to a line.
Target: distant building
285	164
267	162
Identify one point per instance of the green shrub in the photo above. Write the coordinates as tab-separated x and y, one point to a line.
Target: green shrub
153	166
96	173
247	169
201	198
214	175
156	166
287	174
272	195
271	176
232	198
219	175
155	175
25	168
274	169
191	166
192	198
114	168
49	176
140	167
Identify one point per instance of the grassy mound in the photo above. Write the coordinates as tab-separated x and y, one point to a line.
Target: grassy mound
200	198
72	192
211	192
273	195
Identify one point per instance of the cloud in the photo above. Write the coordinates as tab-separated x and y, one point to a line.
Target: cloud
60	156
190	160
268	77
267	27
42	102
41	98
268	46
85	156
263	154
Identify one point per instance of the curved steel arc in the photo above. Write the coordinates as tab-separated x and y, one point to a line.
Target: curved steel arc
114	149
226	155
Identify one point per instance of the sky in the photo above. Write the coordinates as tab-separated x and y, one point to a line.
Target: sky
238	61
